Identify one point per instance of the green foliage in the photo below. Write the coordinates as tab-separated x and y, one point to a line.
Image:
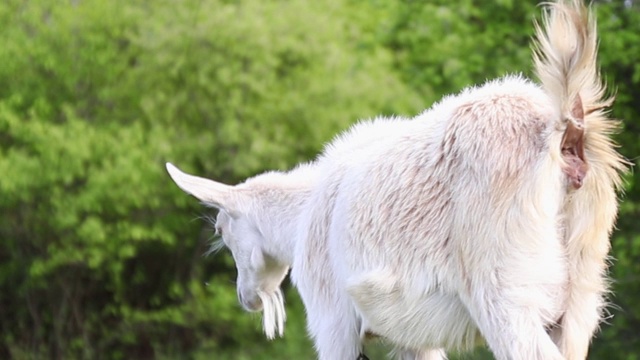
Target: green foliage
441	47
100	254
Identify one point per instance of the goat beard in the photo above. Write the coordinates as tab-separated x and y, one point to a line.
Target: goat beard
273	314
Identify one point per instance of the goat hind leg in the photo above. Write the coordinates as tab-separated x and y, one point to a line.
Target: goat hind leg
512	332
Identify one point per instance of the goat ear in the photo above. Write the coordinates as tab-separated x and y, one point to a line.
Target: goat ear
208	191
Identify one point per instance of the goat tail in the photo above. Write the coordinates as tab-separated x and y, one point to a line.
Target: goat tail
565	59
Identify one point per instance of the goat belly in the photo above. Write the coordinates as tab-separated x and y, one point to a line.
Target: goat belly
429	321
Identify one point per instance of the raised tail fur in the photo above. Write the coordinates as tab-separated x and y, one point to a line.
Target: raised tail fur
565	59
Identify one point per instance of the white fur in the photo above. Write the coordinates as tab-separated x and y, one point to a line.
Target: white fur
444	230
274	314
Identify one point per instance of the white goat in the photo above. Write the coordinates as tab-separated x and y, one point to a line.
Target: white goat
486	217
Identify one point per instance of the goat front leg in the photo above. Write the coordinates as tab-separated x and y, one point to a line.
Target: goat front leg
334	331
331	318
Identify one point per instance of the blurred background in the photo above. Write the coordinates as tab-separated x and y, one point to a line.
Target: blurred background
101	255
